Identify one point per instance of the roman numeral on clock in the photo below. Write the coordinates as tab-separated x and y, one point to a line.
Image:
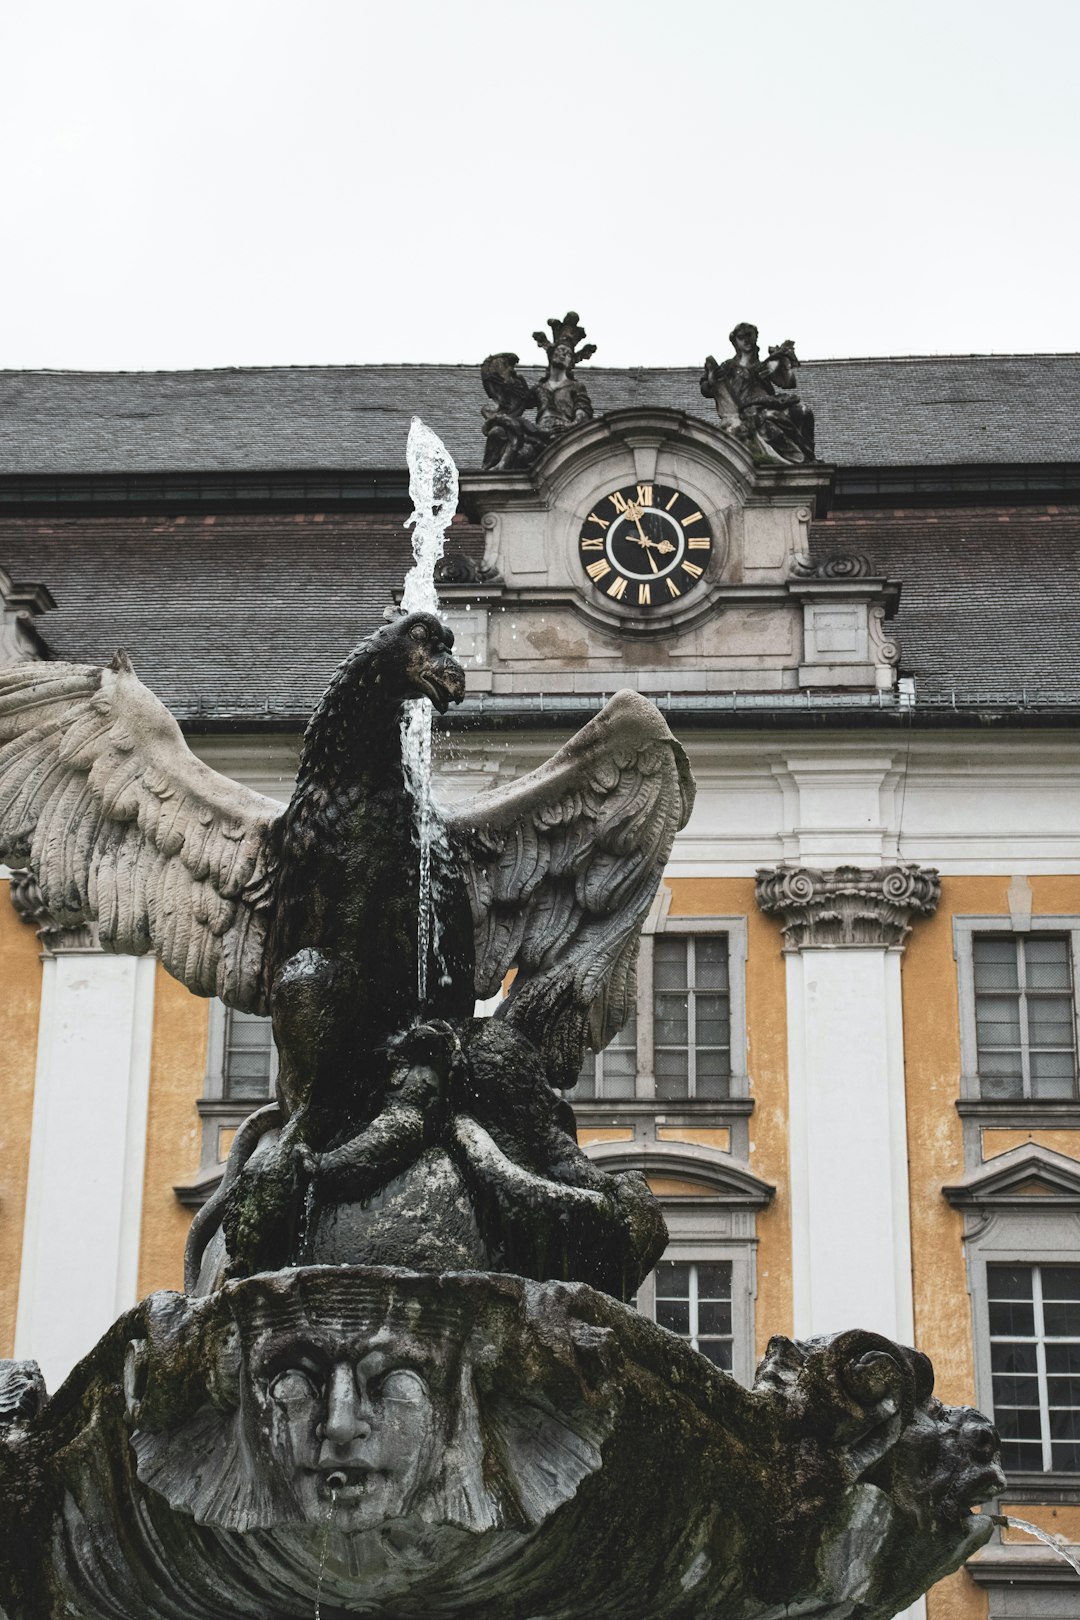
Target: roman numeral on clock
644	495
598	569
617	588
693	570
592	545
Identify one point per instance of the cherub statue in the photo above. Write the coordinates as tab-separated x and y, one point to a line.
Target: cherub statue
756	401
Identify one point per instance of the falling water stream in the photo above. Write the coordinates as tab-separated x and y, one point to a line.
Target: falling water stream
1002	1519
323	1552
433	490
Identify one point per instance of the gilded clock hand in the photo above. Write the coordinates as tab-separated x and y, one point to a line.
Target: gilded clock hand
652	559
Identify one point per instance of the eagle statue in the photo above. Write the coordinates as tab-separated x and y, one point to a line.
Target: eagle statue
405	1130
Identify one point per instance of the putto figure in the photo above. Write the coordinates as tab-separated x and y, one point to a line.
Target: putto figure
559	400
756	400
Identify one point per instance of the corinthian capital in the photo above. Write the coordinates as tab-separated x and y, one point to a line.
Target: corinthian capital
847	905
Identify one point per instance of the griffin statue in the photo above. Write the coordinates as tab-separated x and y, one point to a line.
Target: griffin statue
402	1132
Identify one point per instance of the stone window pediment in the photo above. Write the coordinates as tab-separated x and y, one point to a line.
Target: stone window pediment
1021	1176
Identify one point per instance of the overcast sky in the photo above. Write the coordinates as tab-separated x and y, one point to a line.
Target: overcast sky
250	182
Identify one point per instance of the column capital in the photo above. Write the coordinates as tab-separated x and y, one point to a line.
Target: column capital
29	907
847	906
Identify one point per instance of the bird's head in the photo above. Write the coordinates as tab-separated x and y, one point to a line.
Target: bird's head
414	656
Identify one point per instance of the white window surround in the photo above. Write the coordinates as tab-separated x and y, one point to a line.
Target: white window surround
1020	1208
965	928
717	1224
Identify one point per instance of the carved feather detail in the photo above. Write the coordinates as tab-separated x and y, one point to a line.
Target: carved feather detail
122	825
562	866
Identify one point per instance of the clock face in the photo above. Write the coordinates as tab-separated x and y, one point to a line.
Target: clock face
645	545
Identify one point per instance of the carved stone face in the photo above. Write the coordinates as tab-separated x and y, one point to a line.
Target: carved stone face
355	1427
562	355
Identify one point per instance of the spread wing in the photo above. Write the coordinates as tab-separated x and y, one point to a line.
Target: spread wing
122	825
562	866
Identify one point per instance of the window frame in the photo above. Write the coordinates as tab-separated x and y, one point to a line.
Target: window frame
1045	1236
965	930
1040	1339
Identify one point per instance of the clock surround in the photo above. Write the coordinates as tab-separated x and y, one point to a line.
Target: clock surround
645	545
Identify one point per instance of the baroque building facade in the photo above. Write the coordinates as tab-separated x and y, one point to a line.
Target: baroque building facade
852	1076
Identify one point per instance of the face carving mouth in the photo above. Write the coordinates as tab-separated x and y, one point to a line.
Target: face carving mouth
350	1483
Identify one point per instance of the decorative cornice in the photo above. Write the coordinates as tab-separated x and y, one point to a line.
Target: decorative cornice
848	906
20	604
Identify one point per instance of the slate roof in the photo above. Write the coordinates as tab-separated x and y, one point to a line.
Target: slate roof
990	606
877	412
246	616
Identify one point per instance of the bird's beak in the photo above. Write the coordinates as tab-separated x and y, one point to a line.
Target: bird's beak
443	681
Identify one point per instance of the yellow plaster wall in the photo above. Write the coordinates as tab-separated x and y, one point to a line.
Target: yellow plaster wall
718	1137
177	1074
997	1141
20	1008
604	1133
766	1022
943	1325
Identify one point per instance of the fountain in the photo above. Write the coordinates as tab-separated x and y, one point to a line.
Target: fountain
404	1378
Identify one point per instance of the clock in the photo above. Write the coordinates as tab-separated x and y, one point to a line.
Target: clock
645	545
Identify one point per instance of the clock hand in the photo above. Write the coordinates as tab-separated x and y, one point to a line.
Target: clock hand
652	559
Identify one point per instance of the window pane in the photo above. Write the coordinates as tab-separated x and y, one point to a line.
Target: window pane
671	1074
995	963
1009	1282
718	1352
1061	1282
1013	1358
1061	1321
711	964
1016	1458
670	1025
714	1279
1066	1457
674	1314
1062	1359
669	964
1012	1318
1050	1021
586	1080
998	1019
1047	963
673	1279
248	1057
713	1020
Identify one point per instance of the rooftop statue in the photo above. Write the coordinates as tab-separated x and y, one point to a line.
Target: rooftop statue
756	400
558	399
401	1379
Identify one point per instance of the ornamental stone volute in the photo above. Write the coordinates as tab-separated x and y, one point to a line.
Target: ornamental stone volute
847	906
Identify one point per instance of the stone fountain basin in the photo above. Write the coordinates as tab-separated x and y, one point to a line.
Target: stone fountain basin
393	1443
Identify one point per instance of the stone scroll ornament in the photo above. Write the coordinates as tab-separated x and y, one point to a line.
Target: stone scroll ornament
402	1379
525	417
756	399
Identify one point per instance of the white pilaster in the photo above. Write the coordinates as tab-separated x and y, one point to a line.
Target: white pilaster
87	1154
848	1142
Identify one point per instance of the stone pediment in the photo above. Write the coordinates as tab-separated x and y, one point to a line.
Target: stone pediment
1025	1175
683	1170
583	595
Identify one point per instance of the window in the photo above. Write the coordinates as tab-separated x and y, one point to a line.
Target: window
612	1072
1034	1316
250	1061
1018	1017
691	1016
693	1299
687	1040
1024	1015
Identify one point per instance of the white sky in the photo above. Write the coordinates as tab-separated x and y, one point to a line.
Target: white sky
242	182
